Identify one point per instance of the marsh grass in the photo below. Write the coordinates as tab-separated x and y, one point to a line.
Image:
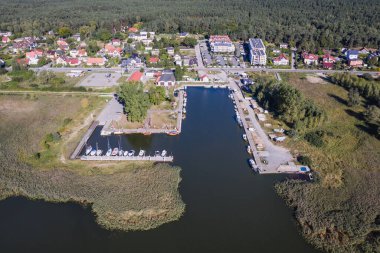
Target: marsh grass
124	196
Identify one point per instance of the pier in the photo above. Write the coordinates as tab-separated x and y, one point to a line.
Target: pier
128	158
83	141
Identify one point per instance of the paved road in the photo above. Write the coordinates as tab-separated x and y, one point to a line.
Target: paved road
277	155
86	93
199	56
293	63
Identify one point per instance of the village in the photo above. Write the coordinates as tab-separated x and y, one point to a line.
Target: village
175	62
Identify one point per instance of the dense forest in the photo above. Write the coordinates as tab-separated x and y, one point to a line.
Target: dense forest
309	24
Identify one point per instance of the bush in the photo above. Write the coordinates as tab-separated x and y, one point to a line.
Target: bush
305	160
315	138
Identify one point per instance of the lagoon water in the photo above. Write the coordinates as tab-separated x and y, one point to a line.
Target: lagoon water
228	207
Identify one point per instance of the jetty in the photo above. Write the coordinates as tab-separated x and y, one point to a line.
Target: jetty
84	140
128	158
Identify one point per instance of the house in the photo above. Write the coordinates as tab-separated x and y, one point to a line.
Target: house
22	44
281	60
62	44
76	37
155	51
135	77
50	54
72	61
22	61
112	51
154	60
96	61
34	56
73	53
82	53
257	52
355	63
152	74
147	42
61	60
148	49
203	76
170	50
177	57
8	34
284	46
132	62
352	54
221	44
166	79
328	61
116	42
133	30
5	39
310	59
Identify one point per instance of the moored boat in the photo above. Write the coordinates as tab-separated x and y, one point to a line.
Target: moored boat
88	149
245	137
142	152
115	151
249	150
164	152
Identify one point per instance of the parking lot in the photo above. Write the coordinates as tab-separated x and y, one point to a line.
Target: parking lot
100	80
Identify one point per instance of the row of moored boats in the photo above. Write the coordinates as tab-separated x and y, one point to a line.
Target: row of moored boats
90	151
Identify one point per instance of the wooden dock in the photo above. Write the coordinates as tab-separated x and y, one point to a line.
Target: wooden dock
85	138
128	158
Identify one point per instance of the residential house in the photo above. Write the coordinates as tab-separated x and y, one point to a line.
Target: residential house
8	34
284	46
132	62
82	53
22	44
310	59
166	79
96	61
203	76
221	44
170	50
183	34
113	51
73	53
352	54
257	52
355	63
116	42
136	76
155	51
5	40
62	44
133	30
61	60
72	61
50	54
76	37
328	61
281	60
34	56
154	60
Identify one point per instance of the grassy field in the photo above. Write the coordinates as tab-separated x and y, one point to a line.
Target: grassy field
340	212
36	143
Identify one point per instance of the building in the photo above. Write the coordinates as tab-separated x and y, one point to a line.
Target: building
154	60
96	61
310	59
328	61
221	44
355	63
112	50
166	79
132	62
257	52
135	77
170	50
284	46
281	60
5	39
352	54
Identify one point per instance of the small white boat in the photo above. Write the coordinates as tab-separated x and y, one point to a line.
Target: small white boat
249	150
245	137
121	152
88	149
184	110
253	165
126	153
99	152
115	151
93	152
157	153
131	153
109	152
164	152
142	152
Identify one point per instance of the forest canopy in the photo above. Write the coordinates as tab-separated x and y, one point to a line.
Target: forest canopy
306	23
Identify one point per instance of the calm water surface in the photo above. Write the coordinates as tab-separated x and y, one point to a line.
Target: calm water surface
229	209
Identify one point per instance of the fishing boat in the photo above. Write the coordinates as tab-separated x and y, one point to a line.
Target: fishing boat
93	152
253	165
245	137
157	153
109	149
131	153
249	150
142	152
172	133
115	151
88	149
99	152
164	152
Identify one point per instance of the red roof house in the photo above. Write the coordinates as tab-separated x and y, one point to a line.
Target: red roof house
154	60
136	76
5	39
96	61
328	61
310	59
281	60
133	29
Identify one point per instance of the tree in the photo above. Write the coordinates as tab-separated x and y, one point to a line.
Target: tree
178	73
353	97
64	32
84	31
136	101
104	35
372	117
157	95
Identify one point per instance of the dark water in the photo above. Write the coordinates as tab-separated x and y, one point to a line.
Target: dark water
229	209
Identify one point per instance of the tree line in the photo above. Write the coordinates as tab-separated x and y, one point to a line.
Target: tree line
288	104
309	24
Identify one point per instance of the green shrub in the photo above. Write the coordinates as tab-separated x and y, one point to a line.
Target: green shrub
315	138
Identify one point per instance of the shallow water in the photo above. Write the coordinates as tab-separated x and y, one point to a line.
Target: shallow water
228	208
